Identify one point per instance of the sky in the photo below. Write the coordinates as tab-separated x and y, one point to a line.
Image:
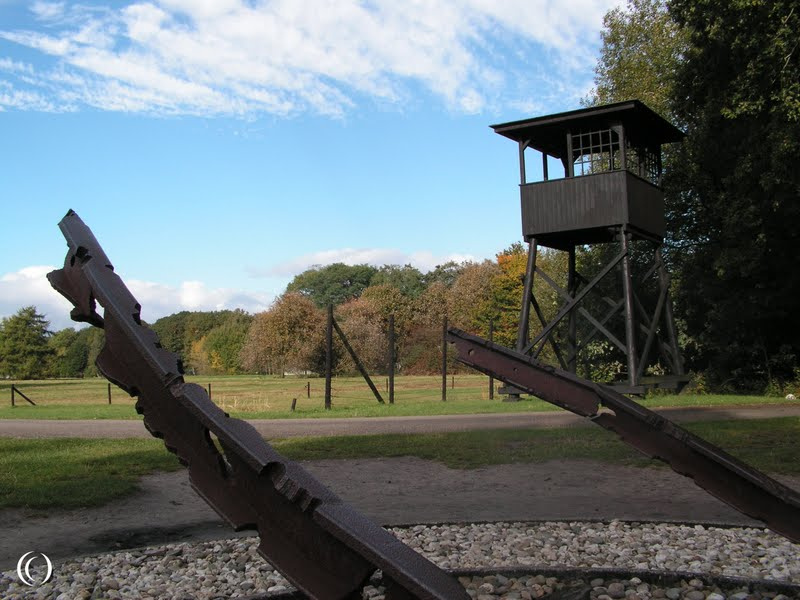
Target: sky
217	148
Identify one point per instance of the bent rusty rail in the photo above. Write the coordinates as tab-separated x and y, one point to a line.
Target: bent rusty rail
322	545
741	486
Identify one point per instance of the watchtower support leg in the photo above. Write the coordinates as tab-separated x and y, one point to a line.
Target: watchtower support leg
630	317
572	340
524	320
669	317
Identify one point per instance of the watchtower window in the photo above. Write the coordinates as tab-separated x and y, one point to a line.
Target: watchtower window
644	162
595	151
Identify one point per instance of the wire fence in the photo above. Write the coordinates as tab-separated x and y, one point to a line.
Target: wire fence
254	393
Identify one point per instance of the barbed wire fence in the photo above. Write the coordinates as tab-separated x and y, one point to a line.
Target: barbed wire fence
332	326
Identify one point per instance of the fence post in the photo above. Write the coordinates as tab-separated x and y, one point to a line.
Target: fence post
328	357
392	359
15	390
209	391
444	360
357	361
308	390
294	403
109	394
491	340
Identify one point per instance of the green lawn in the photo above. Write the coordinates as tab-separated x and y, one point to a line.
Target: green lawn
267	397
69	473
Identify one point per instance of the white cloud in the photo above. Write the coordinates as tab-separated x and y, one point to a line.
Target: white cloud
158	300
48	11
281	57
423	260
29	286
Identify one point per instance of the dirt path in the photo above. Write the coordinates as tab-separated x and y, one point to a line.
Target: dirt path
277	428
390	491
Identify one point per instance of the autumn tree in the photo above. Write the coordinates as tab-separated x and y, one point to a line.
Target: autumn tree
362	324
388	300
290	335
419	350
469	299
505	290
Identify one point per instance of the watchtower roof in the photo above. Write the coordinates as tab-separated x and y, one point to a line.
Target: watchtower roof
546	134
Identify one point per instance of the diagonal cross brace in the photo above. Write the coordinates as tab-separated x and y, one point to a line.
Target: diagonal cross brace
565	310
597	324
322	545
743	487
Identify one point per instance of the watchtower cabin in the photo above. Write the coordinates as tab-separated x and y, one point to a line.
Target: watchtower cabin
599	183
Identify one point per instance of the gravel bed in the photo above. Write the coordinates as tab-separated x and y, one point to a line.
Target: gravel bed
231	568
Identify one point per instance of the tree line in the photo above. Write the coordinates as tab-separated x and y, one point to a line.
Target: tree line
290	336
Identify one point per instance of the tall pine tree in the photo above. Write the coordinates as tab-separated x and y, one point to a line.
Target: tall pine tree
24	351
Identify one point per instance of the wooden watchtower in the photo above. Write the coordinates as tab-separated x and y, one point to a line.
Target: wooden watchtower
606	191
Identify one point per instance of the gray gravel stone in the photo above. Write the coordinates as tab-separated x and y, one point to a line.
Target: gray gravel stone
616	590
233	567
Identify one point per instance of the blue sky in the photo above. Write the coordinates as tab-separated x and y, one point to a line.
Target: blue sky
217	148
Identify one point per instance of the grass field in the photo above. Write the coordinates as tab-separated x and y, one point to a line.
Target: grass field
267	397
41	474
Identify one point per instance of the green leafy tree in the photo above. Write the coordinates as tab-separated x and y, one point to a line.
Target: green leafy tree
641	50
224	343
181	332
95	339
738	220
70	353
446	274
171	332
24	349
332	284
408	280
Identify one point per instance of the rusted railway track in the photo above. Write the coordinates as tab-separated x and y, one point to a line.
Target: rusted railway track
734	482
322	545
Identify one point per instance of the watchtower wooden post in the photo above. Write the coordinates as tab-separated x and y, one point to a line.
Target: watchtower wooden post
608	192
